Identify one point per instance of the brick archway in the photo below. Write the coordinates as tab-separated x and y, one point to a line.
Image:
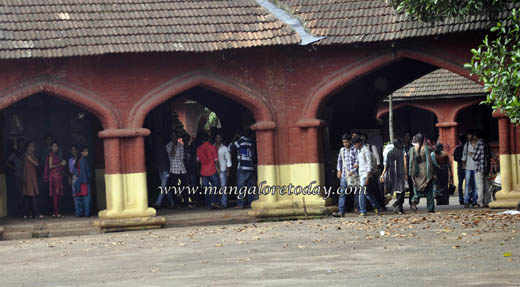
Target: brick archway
364	67
108	117
257	104
384	110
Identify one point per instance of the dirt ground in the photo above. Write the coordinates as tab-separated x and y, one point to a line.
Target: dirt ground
452	248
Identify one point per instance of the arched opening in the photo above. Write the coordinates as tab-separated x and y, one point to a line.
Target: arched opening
36	118
355	105
479	117
188	113
411	119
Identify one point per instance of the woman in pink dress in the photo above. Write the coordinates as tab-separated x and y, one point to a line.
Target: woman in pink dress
53	173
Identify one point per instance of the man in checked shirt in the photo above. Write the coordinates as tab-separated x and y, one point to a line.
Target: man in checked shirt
347	173
175	152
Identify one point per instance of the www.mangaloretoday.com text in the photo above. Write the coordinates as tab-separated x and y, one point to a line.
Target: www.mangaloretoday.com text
264	189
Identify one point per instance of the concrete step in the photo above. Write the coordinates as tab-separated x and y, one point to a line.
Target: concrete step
44	224
49	233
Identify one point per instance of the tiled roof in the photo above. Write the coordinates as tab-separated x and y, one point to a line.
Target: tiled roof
354	21
58	28
441	82
61	28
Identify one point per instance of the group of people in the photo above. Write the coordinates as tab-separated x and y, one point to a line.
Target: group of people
412	165
24	163
204	162
474	164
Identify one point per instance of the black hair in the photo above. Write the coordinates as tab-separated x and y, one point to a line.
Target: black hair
203	137
356	140
478	133
355	131
397	143
439	148
462	138
346	136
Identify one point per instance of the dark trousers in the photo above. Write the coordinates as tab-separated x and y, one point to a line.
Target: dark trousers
183	198
461	174
30	206
400	199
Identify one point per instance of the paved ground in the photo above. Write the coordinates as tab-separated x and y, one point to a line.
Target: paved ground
449	248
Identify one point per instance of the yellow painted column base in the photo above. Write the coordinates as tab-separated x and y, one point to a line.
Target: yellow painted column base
126	197
139	223
506	199
291	190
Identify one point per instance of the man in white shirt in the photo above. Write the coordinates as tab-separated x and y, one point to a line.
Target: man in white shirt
470	194
224	161
364	169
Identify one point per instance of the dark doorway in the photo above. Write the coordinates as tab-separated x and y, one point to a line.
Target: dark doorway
33	119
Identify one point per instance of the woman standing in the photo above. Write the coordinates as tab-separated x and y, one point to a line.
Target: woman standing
443	175
30	185
421	171
53	173
82	184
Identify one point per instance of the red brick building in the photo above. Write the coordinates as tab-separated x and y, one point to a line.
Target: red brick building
118	62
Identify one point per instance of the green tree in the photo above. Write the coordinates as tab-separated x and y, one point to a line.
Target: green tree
497	60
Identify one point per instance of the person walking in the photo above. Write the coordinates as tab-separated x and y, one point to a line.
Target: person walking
461	172
471	193
364	167
443	175
420	168
482	158
162	163
394	174
245	149
347	174
209	170
225	163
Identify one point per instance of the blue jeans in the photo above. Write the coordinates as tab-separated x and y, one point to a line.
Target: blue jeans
342	195
223	181
245	178
82	204
470	197
368	195
163	175
210	195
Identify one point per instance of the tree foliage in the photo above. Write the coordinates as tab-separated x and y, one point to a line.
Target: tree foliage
497	60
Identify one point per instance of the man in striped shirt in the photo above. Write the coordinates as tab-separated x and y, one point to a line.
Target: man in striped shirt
347	173
245	148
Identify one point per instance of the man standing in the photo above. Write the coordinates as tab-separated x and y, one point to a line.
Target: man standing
246	154
162	162
364	169
347	173
209	170
373	184
470	196
224	161
461	172
482	158
175	152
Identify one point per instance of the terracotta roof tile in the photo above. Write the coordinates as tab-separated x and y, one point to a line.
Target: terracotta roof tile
60	28
351	21
440	82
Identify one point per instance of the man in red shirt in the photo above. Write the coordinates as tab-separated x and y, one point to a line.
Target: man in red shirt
208	157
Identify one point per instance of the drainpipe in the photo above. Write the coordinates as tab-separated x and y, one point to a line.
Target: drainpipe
291	21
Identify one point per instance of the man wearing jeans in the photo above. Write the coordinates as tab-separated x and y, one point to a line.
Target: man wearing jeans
246	153
461	172
224	161
163	166
209	170
470	196
482	157
364	169
347	173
